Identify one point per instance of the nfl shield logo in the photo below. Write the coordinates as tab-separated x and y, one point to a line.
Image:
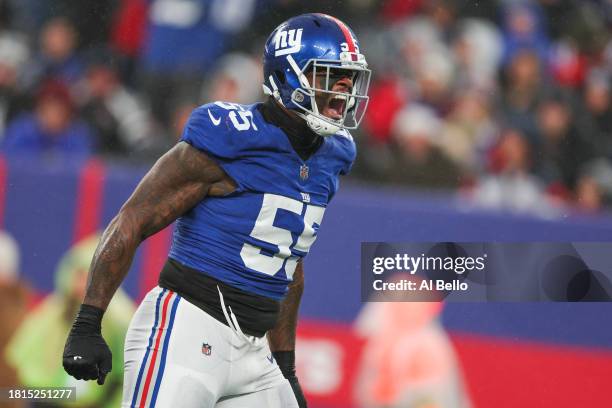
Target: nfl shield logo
206	349
304	172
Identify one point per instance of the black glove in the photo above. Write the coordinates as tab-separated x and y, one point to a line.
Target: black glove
286	363
86	354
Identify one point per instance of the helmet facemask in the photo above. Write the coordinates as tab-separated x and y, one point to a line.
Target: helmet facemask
316	96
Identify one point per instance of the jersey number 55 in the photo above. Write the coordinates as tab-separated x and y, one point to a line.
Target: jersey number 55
265	230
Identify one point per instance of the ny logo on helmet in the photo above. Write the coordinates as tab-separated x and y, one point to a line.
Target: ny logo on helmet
288	42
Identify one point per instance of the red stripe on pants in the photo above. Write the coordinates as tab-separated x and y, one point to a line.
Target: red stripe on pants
160	331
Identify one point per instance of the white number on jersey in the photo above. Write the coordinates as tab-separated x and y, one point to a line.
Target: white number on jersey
264	230
246	121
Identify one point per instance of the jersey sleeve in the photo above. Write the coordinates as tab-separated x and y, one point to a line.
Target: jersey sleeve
207	130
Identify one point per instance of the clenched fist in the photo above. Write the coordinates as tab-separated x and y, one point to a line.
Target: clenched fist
86	354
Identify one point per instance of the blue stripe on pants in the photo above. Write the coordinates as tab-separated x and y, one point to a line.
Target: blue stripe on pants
146	356
162	363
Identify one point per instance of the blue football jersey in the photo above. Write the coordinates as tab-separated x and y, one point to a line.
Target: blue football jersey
253	238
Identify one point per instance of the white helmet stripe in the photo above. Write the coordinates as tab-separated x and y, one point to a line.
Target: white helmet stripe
303	80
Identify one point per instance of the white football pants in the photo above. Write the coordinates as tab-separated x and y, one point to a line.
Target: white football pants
176	355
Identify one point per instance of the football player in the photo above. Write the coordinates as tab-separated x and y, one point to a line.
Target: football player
247	186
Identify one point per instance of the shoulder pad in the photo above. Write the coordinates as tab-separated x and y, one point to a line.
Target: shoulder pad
218	128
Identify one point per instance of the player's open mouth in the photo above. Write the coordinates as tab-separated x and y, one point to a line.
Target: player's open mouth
335	107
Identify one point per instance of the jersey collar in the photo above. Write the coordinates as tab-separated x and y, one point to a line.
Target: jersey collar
304	141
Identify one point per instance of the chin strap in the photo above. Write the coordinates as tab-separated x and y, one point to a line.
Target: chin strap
320	126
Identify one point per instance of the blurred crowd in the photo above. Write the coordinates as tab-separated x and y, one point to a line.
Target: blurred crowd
506	102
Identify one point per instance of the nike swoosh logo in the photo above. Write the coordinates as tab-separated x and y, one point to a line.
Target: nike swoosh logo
214	120
270	359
